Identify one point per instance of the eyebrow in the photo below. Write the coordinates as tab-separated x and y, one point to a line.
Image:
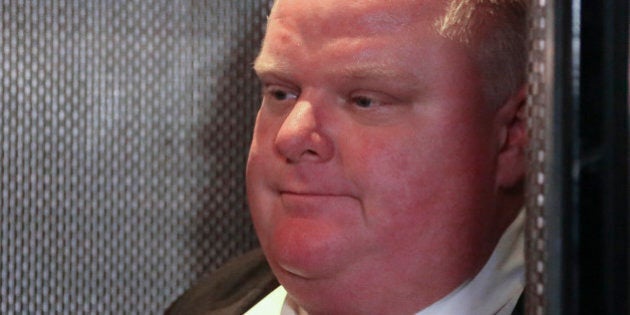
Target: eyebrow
381	74
263	66
377	71
366	71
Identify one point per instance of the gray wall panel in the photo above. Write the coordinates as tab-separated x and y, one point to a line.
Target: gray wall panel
124	130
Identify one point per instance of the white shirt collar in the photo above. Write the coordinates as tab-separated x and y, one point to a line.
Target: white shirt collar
494	290
497	287
272	304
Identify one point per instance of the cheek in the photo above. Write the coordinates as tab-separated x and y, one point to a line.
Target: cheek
256	196
438	171
428	192
259	194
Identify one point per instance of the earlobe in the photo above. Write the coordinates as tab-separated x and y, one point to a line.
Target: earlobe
513	140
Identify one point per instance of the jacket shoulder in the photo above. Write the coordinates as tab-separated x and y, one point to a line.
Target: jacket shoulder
232	289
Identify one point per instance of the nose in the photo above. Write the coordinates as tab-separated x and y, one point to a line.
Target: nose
301	137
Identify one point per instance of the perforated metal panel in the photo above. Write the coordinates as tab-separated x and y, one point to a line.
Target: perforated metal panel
539	101
123	139
578	184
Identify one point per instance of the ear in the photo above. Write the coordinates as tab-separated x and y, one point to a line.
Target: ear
511	121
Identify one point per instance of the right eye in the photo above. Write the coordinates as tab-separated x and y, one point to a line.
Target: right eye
279	94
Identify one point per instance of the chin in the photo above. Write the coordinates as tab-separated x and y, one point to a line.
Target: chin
318	296
307	249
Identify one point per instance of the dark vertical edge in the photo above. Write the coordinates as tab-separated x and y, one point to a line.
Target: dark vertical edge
615	156
603	158
587	199
562	265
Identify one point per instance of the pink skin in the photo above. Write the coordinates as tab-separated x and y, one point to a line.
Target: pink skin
378	178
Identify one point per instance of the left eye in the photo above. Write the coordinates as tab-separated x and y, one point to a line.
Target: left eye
280	95
364	102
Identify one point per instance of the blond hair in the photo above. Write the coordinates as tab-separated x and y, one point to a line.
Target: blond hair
496	32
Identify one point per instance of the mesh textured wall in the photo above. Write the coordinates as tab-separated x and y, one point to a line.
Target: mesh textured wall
124	129
540	80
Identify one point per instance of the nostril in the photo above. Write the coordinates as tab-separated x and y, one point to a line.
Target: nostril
304	156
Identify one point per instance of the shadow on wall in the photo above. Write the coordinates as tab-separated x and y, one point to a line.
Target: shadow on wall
228	106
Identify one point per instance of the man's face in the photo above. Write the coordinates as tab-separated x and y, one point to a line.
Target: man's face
372	171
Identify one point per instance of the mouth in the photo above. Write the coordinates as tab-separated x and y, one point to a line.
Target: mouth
310	194
315	197
310	203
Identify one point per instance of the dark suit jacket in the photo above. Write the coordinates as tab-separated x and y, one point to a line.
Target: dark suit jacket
235	288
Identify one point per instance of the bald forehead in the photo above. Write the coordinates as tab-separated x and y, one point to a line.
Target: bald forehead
330	16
